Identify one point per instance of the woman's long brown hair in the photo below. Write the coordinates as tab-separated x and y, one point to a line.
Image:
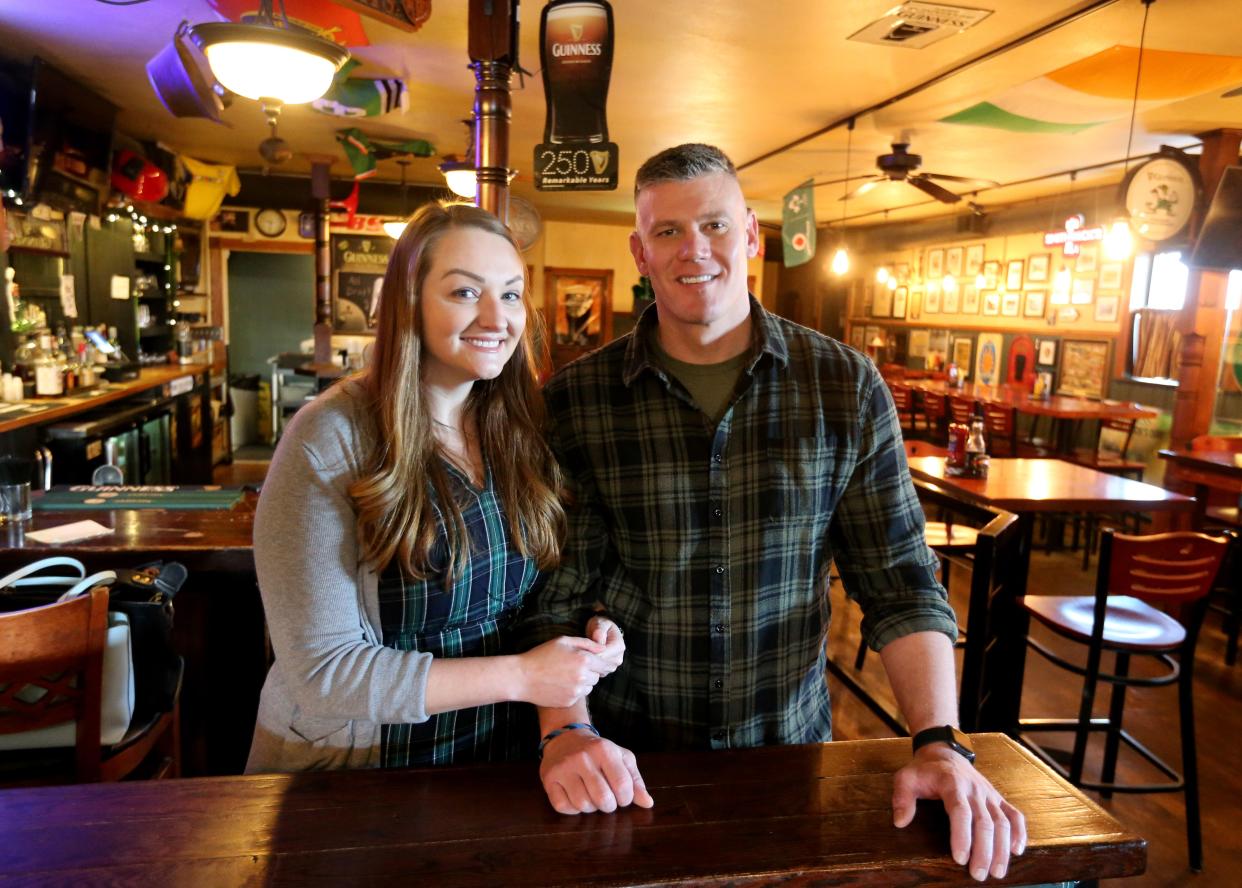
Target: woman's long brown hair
397	515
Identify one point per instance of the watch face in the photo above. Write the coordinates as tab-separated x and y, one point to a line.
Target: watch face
271	223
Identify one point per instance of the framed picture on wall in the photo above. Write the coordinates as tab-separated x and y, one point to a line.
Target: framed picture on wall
578	304
1034	306
974	260
358	264
931	300
882	305
1084	368
953	261
1010	303
902	271
858	337
988	358
1110	275
1083	291
963	353
900	297
935	263
991	303
950	299
970	299
914	304
991	274
1088	259
1047	353
1106	308
1037	268
1013	274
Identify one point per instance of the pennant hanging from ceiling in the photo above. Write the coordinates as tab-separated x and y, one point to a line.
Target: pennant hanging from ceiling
1099	89
323	17
798	225
362	96
364	152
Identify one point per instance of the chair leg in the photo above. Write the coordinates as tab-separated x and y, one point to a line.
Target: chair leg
1083	731
1116	708
861	655
1190	761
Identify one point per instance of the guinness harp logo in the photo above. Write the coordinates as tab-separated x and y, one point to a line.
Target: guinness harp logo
575	31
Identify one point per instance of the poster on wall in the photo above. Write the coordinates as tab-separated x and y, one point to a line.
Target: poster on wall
1084	367
358	266
988	358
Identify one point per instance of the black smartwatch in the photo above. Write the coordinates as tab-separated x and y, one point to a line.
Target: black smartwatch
956	740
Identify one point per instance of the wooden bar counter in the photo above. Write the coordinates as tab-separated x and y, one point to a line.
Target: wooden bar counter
793	815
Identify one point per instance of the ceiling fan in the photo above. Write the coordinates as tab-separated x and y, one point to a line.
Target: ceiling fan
900	166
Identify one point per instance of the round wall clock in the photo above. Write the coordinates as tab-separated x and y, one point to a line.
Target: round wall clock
524	221
270	222
1160	196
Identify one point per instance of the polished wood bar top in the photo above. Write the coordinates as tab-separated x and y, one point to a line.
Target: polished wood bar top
1049	485
1058	406
79	402
208	539
793	815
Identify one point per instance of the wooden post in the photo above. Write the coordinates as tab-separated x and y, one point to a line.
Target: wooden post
493	50
320	184
1202	319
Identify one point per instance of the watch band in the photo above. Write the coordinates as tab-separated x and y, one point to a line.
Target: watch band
950	736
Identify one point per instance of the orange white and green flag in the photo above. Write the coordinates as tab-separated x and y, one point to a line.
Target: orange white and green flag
1100	89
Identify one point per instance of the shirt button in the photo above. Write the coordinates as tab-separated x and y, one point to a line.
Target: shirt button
720	627
717	512
717	684
719	568
718	736
716	457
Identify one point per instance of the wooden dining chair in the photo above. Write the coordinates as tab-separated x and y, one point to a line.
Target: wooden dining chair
1103	458
935	410
1138	576
903	401
962	409
1222	506
51	672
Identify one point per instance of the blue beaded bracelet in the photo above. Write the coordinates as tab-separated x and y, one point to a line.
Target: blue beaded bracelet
572	726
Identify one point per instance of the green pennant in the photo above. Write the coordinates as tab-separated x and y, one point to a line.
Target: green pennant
798	224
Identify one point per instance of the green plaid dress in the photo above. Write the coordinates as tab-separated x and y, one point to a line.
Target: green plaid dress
470	618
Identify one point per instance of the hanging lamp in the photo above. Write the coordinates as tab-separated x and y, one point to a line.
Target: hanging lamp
1119	239
841	258
268	60
394	228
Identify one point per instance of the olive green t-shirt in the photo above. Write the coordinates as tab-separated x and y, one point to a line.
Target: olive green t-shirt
711	385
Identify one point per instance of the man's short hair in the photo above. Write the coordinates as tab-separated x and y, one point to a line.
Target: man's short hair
681	164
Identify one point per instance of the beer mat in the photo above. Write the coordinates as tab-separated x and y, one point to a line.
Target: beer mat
70	497
69	533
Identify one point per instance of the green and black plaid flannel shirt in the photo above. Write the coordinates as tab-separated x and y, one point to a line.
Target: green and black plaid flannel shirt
711	547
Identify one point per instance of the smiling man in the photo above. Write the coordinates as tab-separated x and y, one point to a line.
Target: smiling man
719	459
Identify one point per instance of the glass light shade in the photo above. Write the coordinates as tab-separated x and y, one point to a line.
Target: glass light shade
949	284
840	261
892	283
981	282
461	181
394	229
265	62
881	275
1119	241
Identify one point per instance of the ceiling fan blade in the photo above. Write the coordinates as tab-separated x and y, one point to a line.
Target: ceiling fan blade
927	186
864	188
1232	93
968	180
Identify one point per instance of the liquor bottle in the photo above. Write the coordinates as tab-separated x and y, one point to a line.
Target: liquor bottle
575	42
49	376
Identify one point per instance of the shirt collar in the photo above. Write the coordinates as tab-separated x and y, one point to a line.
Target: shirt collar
766	338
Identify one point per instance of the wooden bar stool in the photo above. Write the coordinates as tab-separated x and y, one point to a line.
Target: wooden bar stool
1172	570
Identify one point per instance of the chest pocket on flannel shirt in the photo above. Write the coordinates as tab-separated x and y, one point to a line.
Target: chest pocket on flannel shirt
799	478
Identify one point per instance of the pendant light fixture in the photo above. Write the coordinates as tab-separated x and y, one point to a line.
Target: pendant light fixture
841	258
267	60
458	173
394	228
1119	239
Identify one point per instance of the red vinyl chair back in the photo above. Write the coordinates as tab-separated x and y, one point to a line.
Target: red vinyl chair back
1166	569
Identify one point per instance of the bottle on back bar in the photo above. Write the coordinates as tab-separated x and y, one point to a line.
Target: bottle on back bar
976	448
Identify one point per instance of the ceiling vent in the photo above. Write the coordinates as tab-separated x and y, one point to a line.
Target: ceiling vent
915	25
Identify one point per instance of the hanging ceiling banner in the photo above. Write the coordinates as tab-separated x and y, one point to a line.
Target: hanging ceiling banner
798	224
575	50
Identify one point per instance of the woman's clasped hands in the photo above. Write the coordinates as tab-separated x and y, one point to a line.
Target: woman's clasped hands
561	672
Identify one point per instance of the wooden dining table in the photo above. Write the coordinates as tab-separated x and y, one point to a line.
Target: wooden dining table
218	626
1210	470
1062	409
1028	488
779	815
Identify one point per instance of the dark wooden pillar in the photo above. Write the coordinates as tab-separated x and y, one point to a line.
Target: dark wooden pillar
493	50
320	189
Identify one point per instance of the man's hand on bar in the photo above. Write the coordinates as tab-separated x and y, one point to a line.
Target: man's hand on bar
583	773
984	829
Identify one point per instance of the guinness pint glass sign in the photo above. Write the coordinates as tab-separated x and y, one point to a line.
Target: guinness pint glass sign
575	41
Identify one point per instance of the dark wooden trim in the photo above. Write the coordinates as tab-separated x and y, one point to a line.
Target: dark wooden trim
272	246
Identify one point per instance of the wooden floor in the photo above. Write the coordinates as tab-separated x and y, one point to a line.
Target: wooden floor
1151	715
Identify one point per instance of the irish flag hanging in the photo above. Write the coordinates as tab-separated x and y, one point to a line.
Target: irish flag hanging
1100	88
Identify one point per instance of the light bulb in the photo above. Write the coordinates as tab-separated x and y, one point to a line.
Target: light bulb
462	182
892	283
981	281
394	229
259	70
949	284
1119	241
840	261
881	275
1061	287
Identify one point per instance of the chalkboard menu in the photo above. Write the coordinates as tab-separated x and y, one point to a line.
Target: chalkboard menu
358	266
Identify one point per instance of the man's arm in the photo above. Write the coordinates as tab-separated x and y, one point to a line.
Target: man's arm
984	829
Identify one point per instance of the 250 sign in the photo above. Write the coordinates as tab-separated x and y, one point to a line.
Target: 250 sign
582	167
